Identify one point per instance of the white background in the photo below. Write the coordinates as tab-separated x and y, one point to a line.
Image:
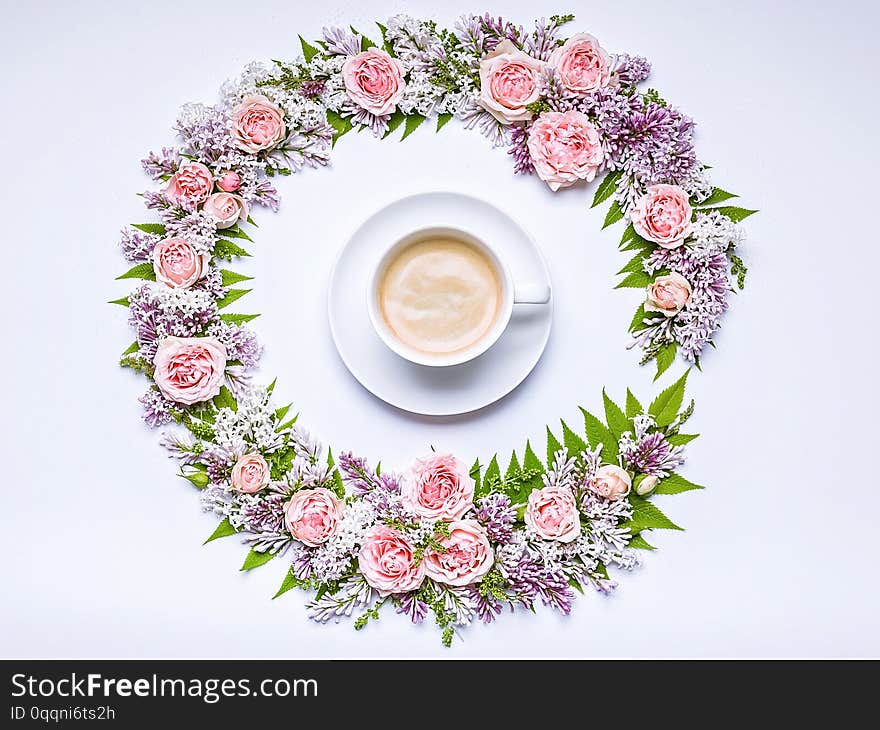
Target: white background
102	551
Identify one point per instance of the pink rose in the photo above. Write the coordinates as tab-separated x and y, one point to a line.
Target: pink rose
189	369
250	473
565	147
663	215
552	512
312	515
668	294
226	209
229	181
257	124
509	80
374	81
611	482
438	487
467	555
190	185
581	64
388	563
177	264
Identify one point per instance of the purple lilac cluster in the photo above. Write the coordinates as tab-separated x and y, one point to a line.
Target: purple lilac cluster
498	516
136	245
153	318
380	490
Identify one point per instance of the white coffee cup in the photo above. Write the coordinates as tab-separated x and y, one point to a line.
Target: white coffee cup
511	293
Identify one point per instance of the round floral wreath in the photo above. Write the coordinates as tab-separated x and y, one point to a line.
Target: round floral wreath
459	542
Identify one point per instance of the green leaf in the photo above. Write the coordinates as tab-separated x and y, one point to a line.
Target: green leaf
141	271
124	302
606	188
225	399
199	479
132	348
636	263
629	234
443	120
365	42
665	406
234	232
647	516
155	228
618	423
413	121
665	358
280	413
635	280
475	475
531	460
238	318
633	407
553	446
338	486
615	213
389	49
599	433
638	320
255	559
718	196
514	471
574	443
230	277
291	581
224	529
675	484
342	125
309	51
640	543
396	119
493	474
228	250
731	211
680	439
231	296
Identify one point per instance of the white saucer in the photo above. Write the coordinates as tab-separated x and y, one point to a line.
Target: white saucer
434	391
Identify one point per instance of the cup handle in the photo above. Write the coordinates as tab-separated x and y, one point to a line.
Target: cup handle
531	294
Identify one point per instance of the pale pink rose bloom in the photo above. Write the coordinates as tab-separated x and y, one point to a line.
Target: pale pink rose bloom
250	473
226	209
581	64
177	264
438	487
663	215
668	294
257	124
229	181
552	513
388	562
189	369
374	81
467	555
313	515
565	147
611	482
190	185
509	80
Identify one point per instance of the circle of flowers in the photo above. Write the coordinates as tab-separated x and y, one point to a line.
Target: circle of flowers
458	542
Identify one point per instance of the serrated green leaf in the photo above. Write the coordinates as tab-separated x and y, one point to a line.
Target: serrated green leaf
680	439
309	51
531	460
638	320
132	348
224	529
290	582
155	228
234	232
665	406
475	475
342	125
230	277
675	484
389	49
606	188
633	407
396	119
615	213
271	386
514	471
493	473
227	250
665	358
238	318
231	296
636	263
280	413
598	433
255	559
617	420
553	446
443	120
718	196
635	280
338	485
733	212
647	516
123	302
413	122
366	43
141	271
629	233
225	399
574	443
640	543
